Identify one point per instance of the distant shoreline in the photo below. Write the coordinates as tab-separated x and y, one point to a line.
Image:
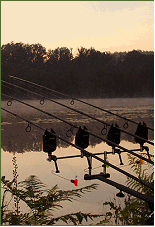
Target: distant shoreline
86	97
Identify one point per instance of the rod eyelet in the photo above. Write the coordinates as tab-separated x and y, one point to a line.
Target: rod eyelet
9	103
69	133
28	128
72	102
42	102
104	130
125	126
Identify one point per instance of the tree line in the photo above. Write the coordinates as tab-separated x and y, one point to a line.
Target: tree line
88	74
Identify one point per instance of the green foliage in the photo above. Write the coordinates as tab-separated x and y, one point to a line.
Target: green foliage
75	218
41	202
132	211
146	175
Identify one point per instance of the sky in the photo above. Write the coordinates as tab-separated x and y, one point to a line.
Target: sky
104	25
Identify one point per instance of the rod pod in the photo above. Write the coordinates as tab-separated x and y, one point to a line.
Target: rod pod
54	159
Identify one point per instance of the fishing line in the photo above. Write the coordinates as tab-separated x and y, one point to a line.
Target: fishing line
42	129
32	98
105	140
65	159
86	115
42	90
70	166
7	86
21	88
86	153
111	182
30	129
80	112
71	181
59	176
64	178
126	119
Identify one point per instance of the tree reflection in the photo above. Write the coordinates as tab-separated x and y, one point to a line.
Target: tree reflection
14	137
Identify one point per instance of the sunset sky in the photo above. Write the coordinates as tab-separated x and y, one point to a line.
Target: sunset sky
105	25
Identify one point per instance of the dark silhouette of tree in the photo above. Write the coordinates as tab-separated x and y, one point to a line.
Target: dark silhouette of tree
90	73
38	54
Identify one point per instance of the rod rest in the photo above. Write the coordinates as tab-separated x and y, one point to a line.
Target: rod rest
83	154
95	176
147	150
53	158
118	151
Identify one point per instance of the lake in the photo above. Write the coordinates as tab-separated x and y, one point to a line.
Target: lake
31	160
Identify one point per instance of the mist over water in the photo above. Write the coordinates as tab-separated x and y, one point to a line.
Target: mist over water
31	160
15	138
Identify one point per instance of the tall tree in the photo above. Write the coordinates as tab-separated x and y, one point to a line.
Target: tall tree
38	54
62	55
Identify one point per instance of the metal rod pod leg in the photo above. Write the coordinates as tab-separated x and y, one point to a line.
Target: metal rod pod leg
121	163
104	166
89	159
56	166
147	150
54	158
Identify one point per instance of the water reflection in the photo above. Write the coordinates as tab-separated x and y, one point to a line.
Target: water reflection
32	161
15	138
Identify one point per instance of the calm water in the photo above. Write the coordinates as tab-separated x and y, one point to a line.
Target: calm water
31	159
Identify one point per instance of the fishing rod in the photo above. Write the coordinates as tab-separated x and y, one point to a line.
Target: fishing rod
86	153
80	112
13	89
121	163
73	98
119	186
75	126
103	122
